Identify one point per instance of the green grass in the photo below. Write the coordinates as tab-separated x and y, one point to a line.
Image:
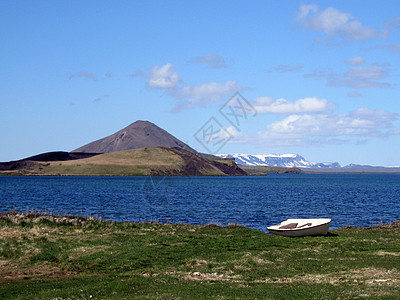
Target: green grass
137	162
95	170
40	259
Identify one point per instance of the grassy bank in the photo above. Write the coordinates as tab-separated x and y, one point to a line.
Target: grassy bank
45	257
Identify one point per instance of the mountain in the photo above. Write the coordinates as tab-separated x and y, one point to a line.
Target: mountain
148	161
139	134
274	160
141	149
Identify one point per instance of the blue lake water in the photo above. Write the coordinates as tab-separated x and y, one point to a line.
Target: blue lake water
253	201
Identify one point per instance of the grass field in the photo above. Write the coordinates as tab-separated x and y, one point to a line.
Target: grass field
138	162
46	257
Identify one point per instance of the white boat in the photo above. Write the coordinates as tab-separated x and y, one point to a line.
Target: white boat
301	227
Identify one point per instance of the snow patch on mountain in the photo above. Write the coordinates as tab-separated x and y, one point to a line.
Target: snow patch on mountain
276	160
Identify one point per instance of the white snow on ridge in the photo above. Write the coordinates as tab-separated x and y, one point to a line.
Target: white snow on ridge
275	160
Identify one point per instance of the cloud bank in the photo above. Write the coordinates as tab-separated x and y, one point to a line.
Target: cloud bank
321	129
313	122
191	96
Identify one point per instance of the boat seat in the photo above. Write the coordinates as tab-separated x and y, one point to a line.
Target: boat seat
304	225
289	226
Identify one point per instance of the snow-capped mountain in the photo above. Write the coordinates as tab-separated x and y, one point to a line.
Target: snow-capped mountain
275	160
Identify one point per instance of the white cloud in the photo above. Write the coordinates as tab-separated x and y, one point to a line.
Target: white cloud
390	25
282	106
305	9
212	60
189	95
163	77
379	117
356	60
356	77
334	22
203	94
226	133
362	77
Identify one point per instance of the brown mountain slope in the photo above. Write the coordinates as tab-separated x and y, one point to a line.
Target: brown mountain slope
139	134
150	161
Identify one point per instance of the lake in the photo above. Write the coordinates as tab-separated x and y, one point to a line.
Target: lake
252	201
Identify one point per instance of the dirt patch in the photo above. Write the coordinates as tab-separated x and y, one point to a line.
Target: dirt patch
368	276
8	232
381	282
383	253
241	267
248	257
261	261
198	276
11	272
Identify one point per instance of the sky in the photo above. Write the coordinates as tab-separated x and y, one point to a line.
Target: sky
315	78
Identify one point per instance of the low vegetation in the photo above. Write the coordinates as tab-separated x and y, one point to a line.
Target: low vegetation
64	257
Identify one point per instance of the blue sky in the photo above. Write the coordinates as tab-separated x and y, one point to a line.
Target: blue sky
322	76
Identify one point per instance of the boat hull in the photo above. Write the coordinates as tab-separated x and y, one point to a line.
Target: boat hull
303	227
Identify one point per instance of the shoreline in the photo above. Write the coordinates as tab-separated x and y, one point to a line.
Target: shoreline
37	217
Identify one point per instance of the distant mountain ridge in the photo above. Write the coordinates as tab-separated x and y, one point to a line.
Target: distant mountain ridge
159	149
139	134
275	160
298	161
